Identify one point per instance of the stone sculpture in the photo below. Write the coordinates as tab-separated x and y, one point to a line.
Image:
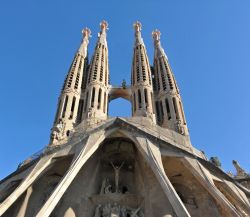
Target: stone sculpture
240	171
135	212
117	170
179	127
98	211
58	130
106	210
106	187
123	211
115	210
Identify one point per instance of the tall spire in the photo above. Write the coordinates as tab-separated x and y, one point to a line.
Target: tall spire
96	95
142	91
70	95
168	102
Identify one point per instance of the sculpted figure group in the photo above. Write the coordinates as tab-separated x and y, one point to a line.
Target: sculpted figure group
114	209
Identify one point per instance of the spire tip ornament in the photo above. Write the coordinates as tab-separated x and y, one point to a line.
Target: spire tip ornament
137	26
86	32
104	25
156	34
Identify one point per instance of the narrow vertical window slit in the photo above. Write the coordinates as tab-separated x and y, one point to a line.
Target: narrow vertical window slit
93	98
176	109
65	106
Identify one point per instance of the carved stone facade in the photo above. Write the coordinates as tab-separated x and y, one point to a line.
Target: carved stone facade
142	166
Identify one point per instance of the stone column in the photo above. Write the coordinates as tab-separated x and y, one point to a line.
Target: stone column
22	210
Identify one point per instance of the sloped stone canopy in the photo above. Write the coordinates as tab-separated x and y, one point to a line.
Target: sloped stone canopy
150	144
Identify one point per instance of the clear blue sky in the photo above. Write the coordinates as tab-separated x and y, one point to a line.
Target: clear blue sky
207	42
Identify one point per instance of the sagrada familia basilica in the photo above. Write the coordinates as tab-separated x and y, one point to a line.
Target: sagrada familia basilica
139	166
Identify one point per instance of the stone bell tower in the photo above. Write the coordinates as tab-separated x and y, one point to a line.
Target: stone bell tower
67	107
101	166
168	102
96	94
141	80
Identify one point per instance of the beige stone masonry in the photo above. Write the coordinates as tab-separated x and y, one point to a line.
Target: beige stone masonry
88	149
206	181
